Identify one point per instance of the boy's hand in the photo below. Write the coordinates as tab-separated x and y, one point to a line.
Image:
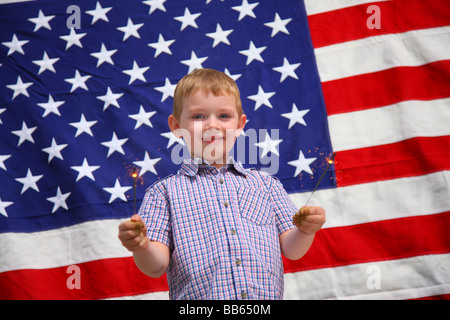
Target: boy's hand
309	219
133	234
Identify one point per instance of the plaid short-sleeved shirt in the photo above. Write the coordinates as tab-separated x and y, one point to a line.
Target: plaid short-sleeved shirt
222	227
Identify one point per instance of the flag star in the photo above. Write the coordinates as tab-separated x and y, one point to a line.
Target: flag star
54	150
41	21
161	46
99	13
278	25
51	106
269	145
295	116
29	181
220	36
3	206
110	98
114	145
83	126
301	164
117	192
245	9
261	98
142	117
253	53
167	89
155	4
147	164
130	29
85	170
1	111
3	159
73	38
24	134
172	139
78	81
59	200
287	70
232	76
20	87
15	45
104	55
46	63
194	62
136	73
188	19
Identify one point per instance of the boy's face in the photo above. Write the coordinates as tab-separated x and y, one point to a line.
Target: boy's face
209	125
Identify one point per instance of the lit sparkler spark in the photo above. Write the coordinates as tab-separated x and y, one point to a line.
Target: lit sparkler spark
134	175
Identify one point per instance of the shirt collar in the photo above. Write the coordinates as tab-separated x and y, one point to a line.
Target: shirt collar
190	166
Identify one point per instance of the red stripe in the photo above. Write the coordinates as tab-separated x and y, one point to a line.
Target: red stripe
396	16
412	157
439	297
406	237
387	87
99	279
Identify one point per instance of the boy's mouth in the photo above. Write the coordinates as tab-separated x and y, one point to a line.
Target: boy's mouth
212	138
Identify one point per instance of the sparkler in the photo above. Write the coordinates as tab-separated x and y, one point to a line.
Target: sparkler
138	224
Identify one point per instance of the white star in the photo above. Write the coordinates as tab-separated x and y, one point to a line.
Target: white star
232	76
83	126
54	150
261	98
295	116
110	98
73	38
142	117
287	70
167	89
1	111
269	145
245	9
220	36
3	159
194	62
172	139
104	55
24	134
130	30
29	181
78	81
161	46
114	145
46	63
188	19
41	21
278	25
302	164
59	200
136	73
253	53
3	206
51	106
99	13
20	87
85	170
117	192
155	4
15	45
147	164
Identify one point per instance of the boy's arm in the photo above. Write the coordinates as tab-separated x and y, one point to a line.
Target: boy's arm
295	242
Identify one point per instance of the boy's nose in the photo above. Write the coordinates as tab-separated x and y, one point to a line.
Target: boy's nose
212	123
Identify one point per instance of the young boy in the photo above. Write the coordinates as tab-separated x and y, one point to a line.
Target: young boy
217	229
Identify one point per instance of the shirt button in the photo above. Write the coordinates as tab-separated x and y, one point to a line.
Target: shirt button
244	295
233	231
226	204
238	262
221	181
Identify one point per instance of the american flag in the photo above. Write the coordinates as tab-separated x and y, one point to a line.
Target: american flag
86	89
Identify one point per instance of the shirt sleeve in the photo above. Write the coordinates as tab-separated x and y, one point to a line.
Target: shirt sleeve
155	211
282	205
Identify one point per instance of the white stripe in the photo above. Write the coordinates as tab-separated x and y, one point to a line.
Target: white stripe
382	200
13	1
321	6
409	278
159	295
390	124
412	48
79	243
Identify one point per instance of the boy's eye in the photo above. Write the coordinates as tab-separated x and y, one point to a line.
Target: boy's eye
224	116
197	116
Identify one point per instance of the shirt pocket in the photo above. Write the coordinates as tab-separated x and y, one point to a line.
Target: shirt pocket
255	205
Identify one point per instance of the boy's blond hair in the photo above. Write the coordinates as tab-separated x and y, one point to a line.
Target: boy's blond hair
209	81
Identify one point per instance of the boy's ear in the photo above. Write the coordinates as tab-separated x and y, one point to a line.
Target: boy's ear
174	126
241	124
